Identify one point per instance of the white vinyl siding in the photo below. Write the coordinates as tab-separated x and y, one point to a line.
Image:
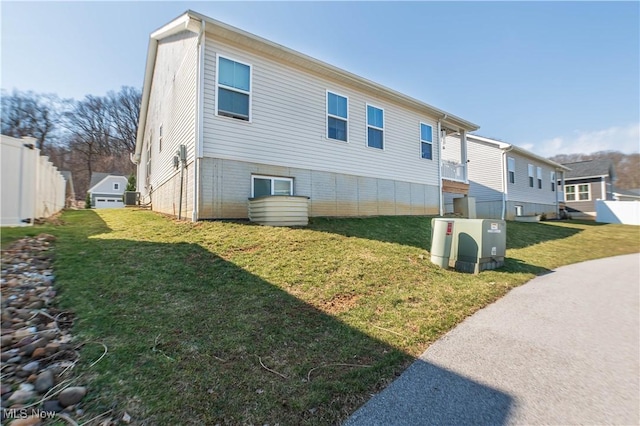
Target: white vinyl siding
172	106
289	119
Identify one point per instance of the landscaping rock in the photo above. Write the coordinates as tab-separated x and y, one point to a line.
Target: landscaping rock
52	406
21	396
44	381
32	420
72	395
36	348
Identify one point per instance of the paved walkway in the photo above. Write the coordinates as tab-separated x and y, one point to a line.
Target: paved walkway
562	349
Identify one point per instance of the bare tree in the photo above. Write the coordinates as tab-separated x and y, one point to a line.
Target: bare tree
124	109
30	114
89	125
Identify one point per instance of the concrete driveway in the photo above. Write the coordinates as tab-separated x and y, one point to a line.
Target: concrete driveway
561	349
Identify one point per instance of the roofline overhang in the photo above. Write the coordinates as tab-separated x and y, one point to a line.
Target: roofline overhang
514	148
585	177
191	20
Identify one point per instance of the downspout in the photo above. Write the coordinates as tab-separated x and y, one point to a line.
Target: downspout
199	122
505	180
440	142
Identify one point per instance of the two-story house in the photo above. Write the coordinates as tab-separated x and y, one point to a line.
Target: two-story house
506	180
228	116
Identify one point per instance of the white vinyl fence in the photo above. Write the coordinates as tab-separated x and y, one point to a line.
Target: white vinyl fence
32	187
626	212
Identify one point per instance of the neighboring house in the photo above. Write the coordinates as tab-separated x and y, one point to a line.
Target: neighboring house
251	118
70	192
107	190
626	194
587	182
506	180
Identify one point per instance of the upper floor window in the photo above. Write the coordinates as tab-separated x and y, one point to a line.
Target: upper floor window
577	192
552	178
375	127
234	89
270	185
160	139
511	169
426	141
337	116
116	186
530	167
539	174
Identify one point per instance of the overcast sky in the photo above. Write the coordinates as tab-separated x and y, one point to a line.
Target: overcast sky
551	77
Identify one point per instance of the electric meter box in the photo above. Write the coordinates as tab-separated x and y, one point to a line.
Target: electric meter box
478	244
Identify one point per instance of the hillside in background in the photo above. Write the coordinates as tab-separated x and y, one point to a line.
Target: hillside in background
627	166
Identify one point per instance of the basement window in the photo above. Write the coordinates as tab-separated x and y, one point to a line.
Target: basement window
270	185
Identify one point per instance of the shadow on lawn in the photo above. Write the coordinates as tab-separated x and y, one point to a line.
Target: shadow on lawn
416	230
201	341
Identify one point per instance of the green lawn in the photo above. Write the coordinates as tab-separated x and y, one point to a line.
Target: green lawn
234	323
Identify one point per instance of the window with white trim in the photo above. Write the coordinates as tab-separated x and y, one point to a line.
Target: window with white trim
539	174
116	186
234	89
375	127
552	178
511	169
270	185
337	116
426	141
160	139
530	167
577	192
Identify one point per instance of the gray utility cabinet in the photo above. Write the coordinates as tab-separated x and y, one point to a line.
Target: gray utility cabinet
478	244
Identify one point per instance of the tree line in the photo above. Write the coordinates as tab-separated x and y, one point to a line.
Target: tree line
95	134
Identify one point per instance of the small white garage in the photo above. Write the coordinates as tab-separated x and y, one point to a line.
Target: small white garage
107	190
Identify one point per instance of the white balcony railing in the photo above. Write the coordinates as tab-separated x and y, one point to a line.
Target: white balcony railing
453	171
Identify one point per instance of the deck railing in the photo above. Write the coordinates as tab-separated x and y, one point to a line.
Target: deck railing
453	171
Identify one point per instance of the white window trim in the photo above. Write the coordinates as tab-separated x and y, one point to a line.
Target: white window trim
160	139
272	178
218	85
116	186
424	141
539	176
530	170
552	179
326	121
511	161
366	120
577	192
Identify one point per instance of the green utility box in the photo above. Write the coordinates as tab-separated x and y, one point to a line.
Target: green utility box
478	244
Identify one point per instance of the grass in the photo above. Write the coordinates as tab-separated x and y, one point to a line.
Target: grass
233	323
